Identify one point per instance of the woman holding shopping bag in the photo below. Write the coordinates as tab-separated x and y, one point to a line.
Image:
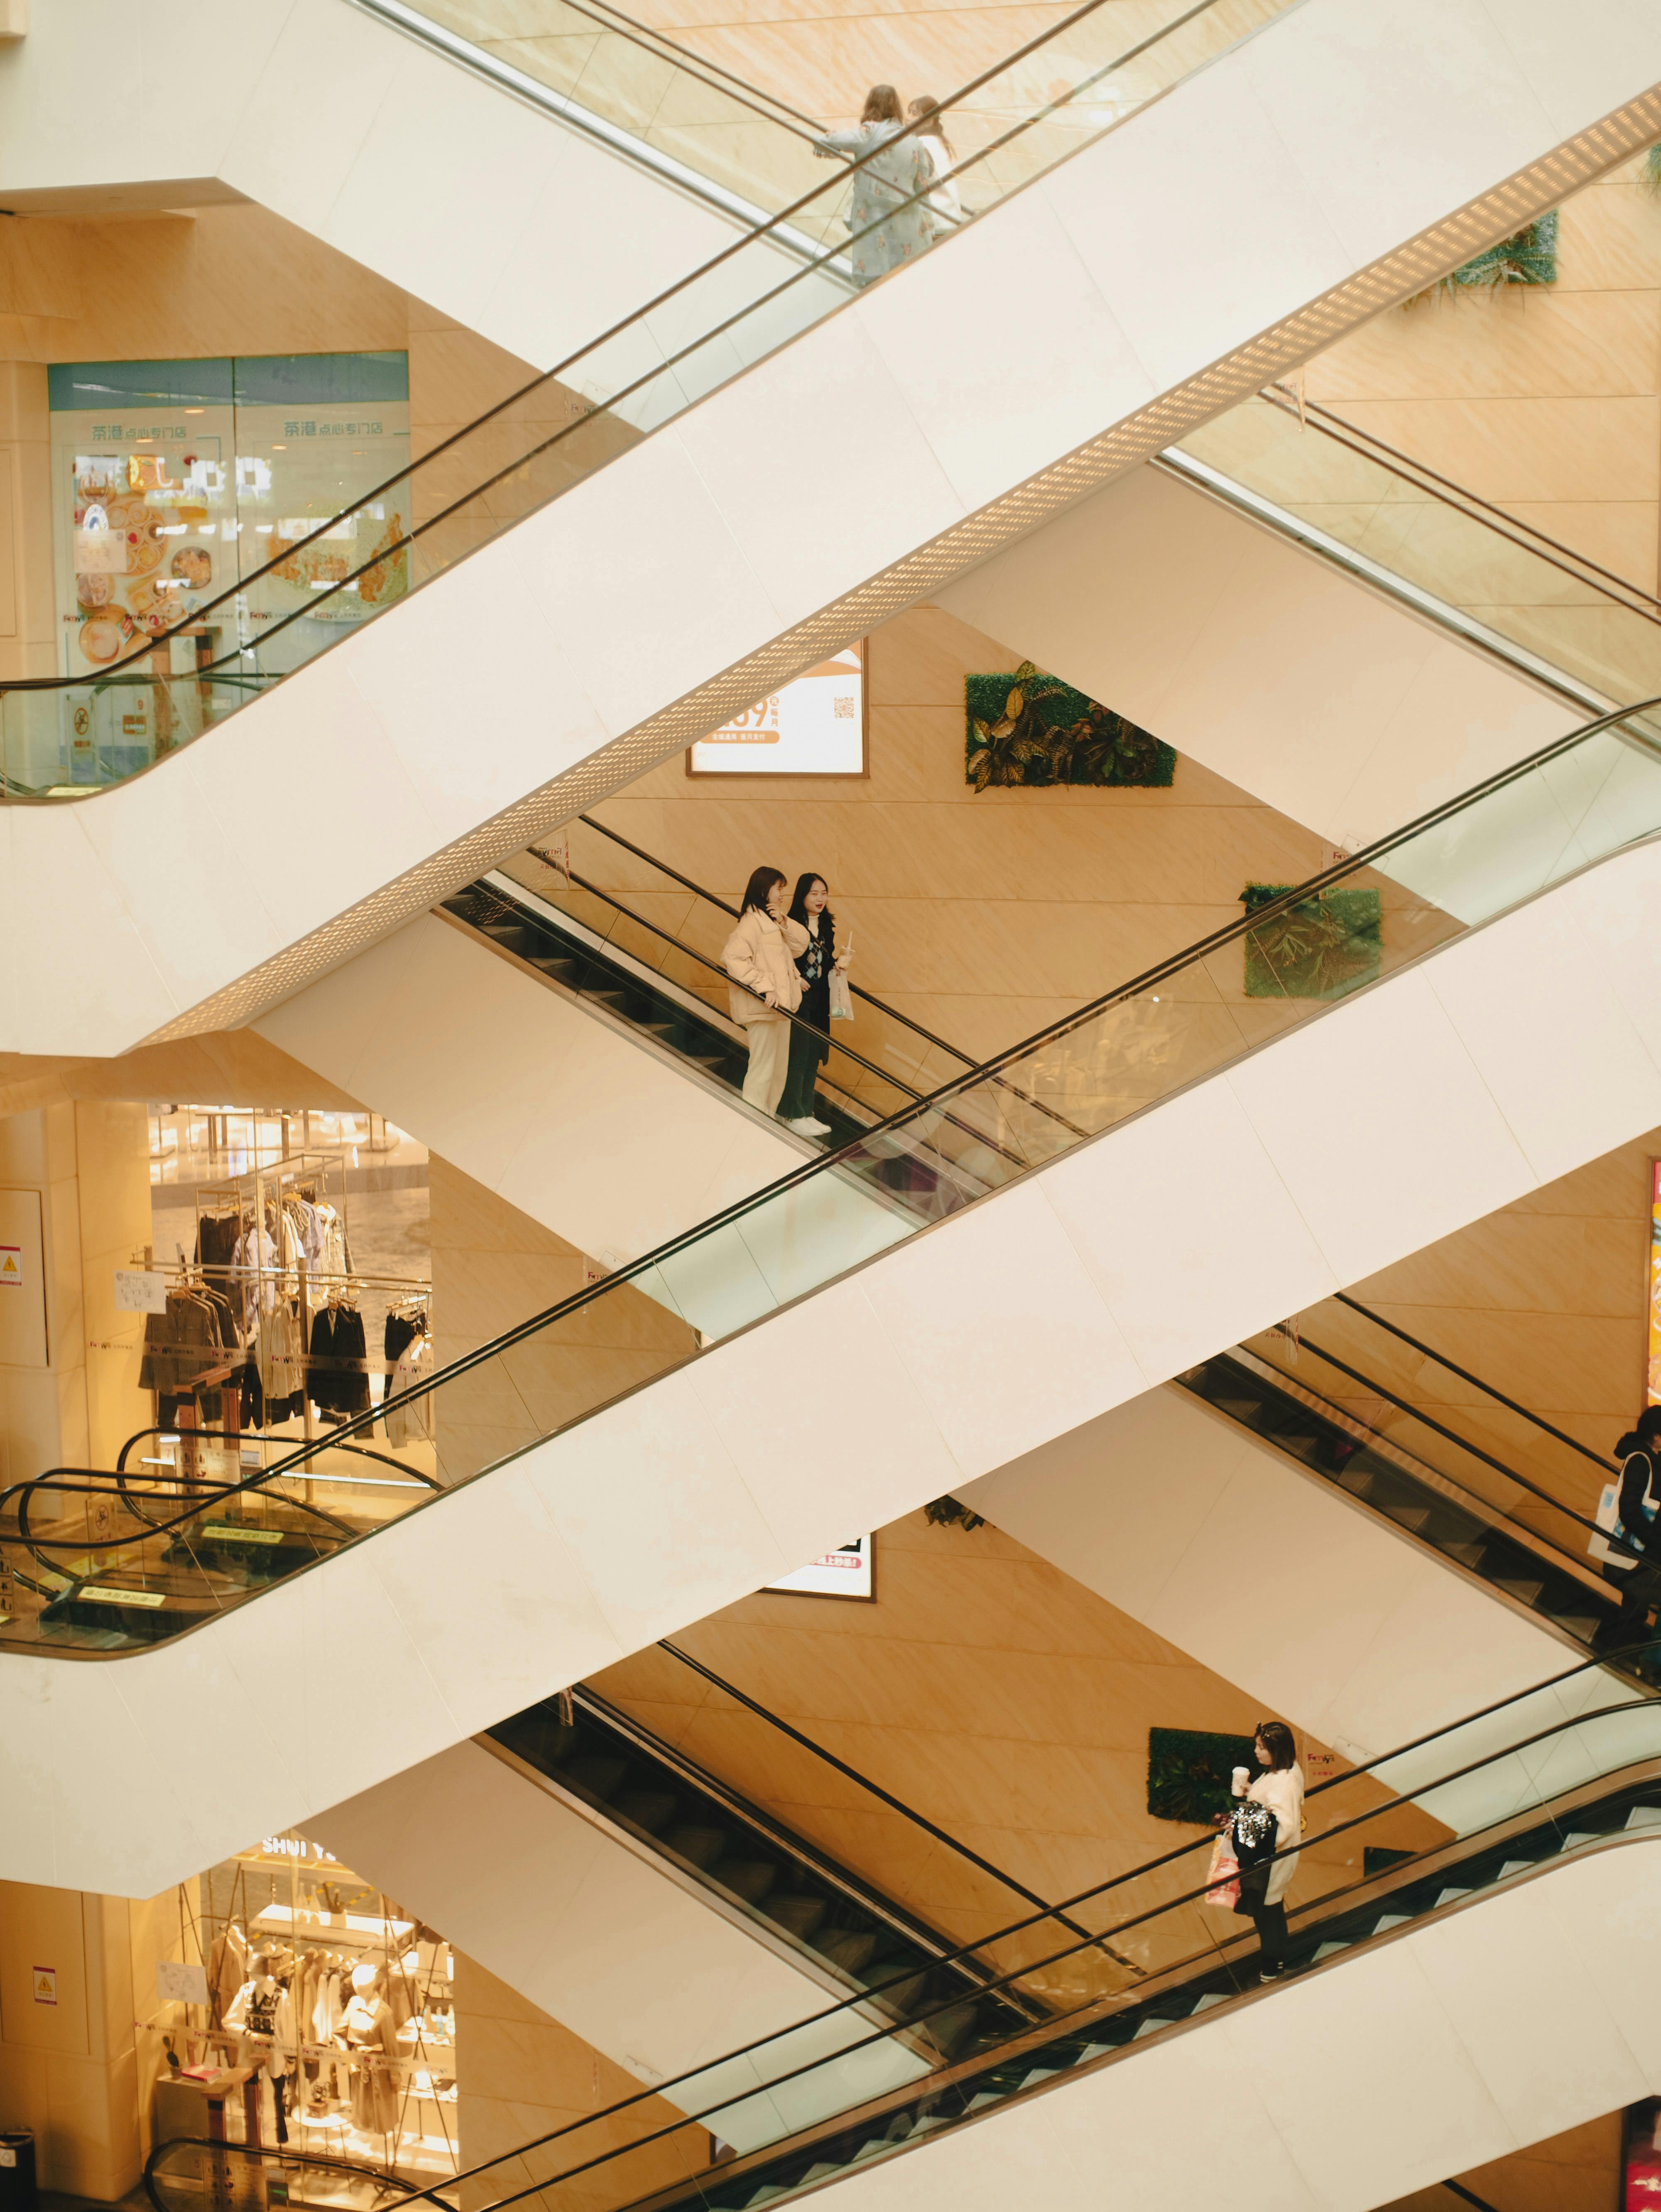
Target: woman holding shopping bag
760	956
1267	1822
820	959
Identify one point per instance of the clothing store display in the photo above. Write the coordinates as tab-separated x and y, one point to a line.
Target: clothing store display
255	1267
337	1369
280	1349
263	2018
367	2031
183	1343
413	1423
228	1970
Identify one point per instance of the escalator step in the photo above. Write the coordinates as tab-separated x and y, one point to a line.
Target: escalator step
650	1809
750	1879
1643	1816
597	1773
1525	1592
698	1845
801	1915
848	1948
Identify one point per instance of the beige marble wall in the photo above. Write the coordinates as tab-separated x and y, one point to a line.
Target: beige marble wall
1577	2172
1546	400
982	917
232	279
1545	1300
494	1267
992	1695
519	2076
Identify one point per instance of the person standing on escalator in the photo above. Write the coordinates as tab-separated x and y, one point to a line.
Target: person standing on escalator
810	1046
1267	1864
1639	1517
760	956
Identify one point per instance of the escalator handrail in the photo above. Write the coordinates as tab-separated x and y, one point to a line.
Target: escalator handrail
685	1770
827	1162
480	62
1342	432
1406	1406
603	12
1598	1459
664	2089
852	1774
118	670
710	898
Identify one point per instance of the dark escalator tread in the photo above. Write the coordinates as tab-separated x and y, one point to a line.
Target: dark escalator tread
801	1915
698	1845
648	1809
849	1948
750	1879
597	1773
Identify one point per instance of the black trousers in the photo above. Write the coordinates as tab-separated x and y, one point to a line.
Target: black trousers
1270	1921
807	1053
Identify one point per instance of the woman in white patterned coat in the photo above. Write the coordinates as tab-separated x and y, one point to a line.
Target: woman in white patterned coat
890	218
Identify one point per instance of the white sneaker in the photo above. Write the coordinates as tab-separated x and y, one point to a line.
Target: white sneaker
809	1127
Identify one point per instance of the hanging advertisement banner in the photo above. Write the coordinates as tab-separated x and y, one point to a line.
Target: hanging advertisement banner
814	727
1653	1370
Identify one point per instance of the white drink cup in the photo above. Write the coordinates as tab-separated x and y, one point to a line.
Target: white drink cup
1241	1778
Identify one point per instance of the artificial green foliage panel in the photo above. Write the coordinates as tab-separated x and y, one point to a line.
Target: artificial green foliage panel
1189	1771
1320	948
1031	729
1530	257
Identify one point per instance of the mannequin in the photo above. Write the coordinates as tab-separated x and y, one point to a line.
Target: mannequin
366	2026
263	2018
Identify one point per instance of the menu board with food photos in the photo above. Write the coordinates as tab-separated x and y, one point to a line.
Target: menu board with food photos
175	481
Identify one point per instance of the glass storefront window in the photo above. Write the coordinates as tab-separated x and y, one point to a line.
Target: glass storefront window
172	480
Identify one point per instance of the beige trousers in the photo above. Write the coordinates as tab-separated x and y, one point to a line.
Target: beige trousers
770	1062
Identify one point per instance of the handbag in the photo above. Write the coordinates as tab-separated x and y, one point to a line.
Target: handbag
1223	1875
841	999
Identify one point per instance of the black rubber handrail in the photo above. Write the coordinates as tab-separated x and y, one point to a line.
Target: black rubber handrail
873	1788
1400	1875
1229	933
1565	558
114	673
1476	1451
1539	1420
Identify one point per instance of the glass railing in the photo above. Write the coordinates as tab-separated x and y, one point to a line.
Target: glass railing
600	915
1363	496
649	87
1571	1765
207	658
1383	1446
1259	978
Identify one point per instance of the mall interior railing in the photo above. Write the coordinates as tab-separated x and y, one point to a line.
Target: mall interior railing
1518	832
1495	1799
1573	623
205	658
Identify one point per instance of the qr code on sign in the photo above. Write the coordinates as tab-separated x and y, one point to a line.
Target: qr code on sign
842	708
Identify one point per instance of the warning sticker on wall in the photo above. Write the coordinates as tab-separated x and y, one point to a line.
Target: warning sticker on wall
46	1985
11	1266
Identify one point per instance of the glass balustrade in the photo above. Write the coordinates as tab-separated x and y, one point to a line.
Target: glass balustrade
1085	74
1494	1799
1581	799
1363	496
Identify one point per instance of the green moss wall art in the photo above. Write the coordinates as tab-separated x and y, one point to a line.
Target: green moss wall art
1189	1771
1029	729
1528	257
1319	948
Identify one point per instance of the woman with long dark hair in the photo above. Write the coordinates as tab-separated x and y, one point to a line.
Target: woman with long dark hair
890	218
1638	1577
1266	1867
760	956
810	1048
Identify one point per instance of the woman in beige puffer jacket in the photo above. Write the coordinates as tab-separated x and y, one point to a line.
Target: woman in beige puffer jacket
760	956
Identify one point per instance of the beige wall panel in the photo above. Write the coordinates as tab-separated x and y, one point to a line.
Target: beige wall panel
987	1690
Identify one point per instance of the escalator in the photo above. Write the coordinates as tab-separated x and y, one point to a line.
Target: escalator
696	412
1534	1821
579	1815
652	1454
1529	1539
1232	587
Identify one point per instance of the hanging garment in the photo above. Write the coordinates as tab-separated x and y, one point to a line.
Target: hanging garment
227	1969
336	1371
411	1423
263	2020
180	1346
367	2031
254	1253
